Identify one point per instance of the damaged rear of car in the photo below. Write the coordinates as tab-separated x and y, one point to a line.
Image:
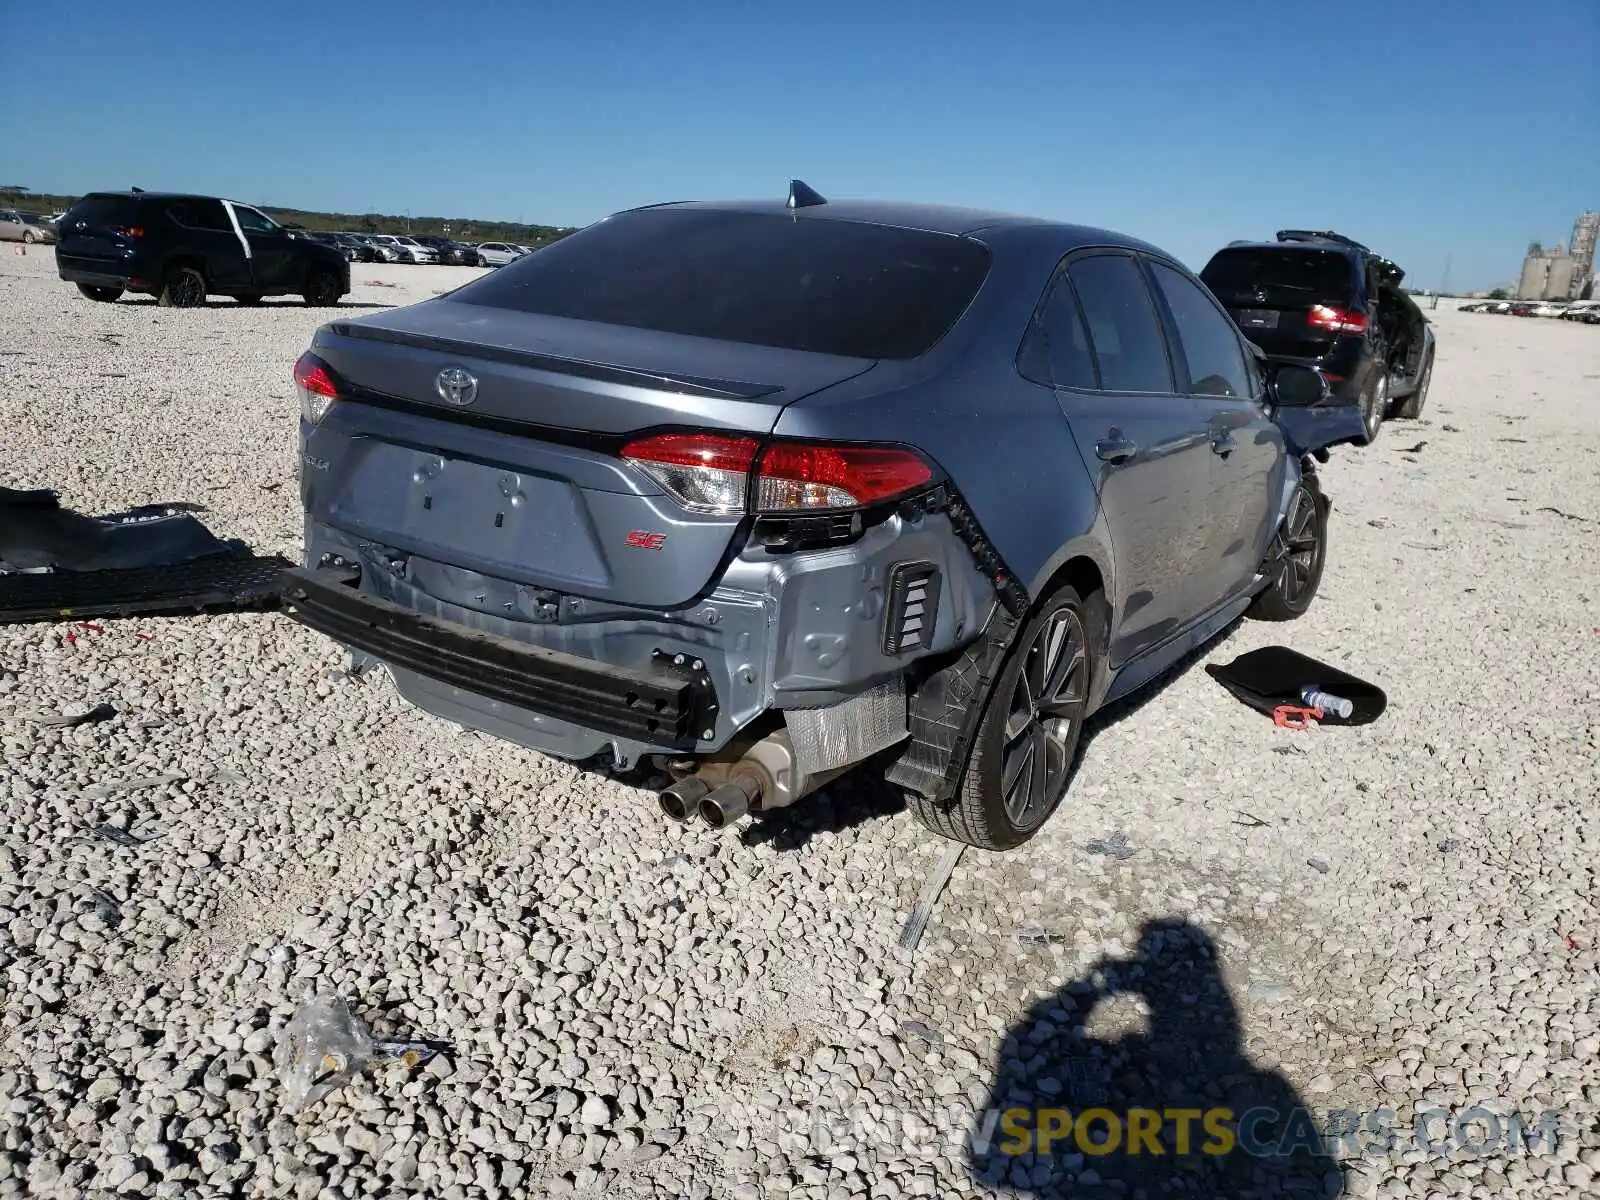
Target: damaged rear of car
758	492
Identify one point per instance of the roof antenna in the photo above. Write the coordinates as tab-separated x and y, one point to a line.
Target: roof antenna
802	196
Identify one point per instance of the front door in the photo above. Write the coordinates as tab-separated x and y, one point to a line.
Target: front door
274	258
1145	444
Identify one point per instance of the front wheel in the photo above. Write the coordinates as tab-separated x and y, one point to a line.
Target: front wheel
1299	549
105	295
322	288
1411	407
29	237
1027	740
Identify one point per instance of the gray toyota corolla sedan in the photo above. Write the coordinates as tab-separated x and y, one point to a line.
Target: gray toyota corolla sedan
759	491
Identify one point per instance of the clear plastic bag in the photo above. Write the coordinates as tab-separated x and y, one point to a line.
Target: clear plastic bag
325	1046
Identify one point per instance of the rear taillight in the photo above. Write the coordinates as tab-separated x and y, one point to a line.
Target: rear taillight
314	381
723	475
128	231
794	476
1337	320
705	473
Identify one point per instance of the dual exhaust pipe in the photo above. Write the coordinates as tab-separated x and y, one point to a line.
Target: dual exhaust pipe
718	806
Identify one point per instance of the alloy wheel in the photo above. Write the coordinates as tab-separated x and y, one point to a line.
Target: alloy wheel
1042	722
187	290
1301	545
1379	407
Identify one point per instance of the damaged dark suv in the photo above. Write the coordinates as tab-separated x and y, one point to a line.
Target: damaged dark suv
760	491
1321	299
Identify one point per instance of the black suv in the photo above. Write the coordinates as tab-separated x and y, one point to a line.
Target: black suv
182	248
1323	300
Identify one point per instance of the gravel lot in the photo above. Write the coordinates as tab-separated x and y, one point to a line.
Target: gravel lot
1404	915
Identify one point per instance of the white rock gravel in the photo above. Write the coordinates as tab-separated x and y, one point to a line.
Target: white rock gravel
1406	918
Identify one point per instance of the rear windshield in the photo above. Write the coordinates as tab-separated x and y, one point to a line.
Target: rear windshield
832	287
1315	274
102	210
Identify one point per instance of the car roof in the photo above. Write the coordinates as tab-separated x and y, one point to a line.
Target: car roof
131	195
932	218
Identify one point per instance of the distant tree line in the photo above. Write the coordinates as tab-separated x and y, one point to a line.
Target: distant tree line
466	229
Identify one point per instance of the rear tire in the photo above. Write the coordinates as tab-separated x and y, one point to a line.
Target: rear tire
182	287
1374	406
322	288
105	295
1410	408
29	237
1027	740
1299	551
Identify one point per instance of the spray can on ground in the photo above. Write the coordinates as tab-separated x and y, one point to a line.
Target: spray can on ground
1311	697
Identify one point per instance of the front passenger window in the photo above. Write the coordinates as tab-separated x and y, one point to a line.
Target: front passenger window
1209	340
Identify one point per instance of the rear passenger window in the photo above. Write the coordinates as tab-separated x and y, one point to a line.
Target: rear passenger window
199	214
1058	351
1210	343
1128	344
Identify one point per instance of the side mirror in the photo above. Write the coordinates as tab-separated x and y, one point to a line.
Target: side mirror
1294	386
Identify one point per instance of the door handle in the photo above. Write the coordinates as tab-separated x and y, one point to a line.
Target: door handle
1115	450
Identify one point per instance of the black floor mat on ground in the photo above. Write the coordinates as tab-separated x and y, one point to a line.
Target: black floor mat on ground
217	584
1274	675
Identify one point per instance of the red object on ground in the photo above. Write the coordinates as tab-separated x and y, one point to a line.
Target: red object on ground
1295	716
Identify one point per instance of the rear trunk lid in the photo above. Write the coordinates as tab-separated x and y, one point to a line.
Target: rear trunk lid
487	441
1270	292
99	229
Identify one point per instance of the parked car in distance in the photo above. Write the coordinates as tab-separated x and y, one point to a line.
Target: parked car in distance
451	252
29	228
1324	300
181	248
1549	308
395	248
1586	311
498	254
699	484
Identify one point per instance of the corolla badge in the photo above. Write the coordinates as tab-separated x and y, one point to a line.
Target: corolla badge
456	385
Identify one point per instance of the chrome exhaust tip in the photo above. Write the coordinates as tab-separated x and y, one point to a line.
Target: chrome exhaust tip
722	806
678	801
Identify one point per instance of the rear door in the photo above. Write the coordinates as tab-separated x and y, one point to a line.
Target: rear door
1144	443
204	226
1273	294
1247	463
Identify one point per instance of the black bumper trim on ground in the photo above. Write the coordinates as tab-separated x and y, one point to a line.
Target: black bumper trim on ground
216	584
660	709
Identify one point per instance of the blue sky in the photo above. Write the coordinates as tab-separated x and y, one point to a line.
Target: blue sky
1457	129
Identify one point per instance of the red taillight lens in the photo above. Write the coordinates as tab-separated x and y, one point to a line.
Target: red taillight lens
314	381
798	477
704	472
128	231
1336	320
711	473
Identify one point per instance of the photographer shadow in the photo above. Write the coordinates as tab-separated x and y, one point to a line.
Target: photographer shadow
1177	1109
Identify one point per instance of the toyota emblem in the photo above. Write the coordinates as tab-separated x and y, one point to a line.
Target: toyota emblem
456	385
